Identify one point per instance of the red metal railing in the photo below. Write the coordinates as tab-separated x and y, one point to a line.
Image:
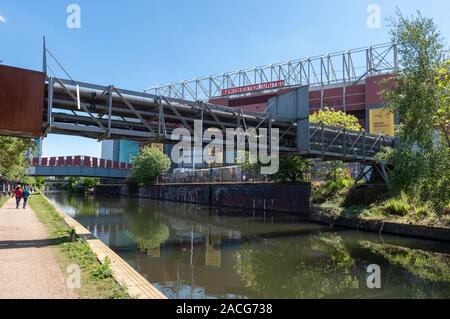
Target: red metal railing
79	161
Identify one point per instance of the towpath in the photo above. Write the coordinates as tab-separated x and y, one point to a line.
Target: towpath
28	266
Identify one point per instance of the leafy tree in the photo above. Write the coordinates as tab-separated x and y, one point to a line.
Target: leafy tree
414	97
330	117
148	165
292	169
80	184
13	161
251	169
442	116
37	181
337	180
420	98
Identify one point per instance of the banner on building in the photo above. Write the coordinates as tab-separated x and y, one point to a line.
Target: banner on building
381	121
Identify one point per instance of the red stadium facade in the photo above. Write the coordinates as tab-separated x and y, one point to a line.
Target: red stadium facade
354	99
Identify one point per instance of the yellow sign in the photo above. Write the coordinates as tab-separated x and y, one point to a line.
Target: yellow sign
381	121
158	145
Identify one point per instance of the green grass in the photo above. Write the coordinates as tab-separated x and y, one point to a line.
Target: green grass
397	210
3	200
96	278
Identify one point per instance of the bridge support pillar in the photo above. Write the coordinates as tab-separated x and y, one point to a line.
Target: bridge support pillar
293	107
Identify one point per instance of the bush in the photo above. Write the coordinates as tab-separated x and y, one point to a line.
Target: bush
148	165
82	184
338	181
292	169
397	206
330	117
102	270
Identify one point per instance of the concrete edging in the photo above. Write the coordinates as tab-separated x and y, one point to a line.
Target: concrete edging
136	285
407	230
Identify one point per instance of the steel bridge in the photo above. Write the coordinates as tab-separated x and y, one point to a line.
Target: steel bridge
62	105
107	112
83	166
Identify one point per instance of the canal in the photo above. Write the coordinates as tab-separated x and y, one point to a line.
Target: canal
192	251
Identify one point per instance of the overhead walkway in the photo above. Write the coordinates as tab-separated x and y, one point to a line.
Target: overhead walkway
79	166
105	112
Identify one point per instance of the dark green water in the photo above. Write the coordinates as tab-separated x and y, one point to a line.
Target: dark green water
192	251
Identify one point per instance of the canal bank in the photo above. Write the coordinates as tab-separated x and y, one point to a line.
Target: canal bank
382	227
134	283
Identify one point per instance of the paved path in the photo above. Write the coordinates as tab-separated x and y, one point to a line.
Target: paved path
28	268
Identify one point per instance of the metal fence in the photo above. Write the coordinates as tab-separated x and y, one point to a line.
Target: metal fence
233	174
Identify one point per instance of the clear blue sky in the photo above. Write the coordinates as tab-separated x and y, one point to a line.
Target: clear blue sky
135	44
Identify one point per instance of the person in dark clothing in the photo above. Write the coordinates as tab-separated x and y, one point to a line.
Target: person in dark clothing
18	193
26	193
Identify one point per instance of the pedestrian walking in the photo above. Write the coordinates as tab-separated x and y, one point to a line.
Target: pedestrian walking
18	194
25	195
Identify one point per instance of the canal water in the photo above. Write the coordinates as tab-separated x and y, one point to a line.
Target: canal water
193	251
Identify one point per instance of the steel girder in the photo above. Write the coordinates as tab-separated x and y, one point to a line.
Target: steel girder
345	68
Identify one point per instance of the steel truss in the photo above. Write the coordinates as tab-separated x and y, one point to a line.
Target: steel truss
106	112
346	68
376	172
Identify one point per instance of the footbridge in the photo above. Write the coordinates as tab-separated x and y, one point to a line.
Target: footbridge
72	107
79	166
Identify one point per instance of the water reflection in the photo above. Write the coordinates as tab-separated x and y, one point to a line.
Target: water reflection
190	251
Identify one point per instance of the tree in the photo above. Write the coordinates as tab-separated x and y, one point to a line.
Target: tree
415	97
337	179
292	169
148	165
420	98
37	181
13	161
442	116
331	117
81	184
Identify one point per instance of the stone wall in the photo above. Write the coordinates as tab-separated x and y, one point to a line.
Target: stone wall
288	198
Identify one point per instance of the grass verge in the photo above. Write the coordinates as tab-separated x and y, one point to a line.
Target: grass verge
3	200
96	278
391	210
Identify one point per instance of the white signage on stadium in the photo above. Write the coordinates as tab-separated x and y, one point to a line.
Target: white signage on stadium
254	87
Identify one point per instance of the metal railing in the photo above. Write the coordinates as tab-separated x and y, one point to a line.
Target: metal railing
345	67
226	175
326	141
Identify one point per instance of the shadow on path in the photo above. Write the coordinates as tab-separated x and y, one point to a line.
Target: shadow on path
14	244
